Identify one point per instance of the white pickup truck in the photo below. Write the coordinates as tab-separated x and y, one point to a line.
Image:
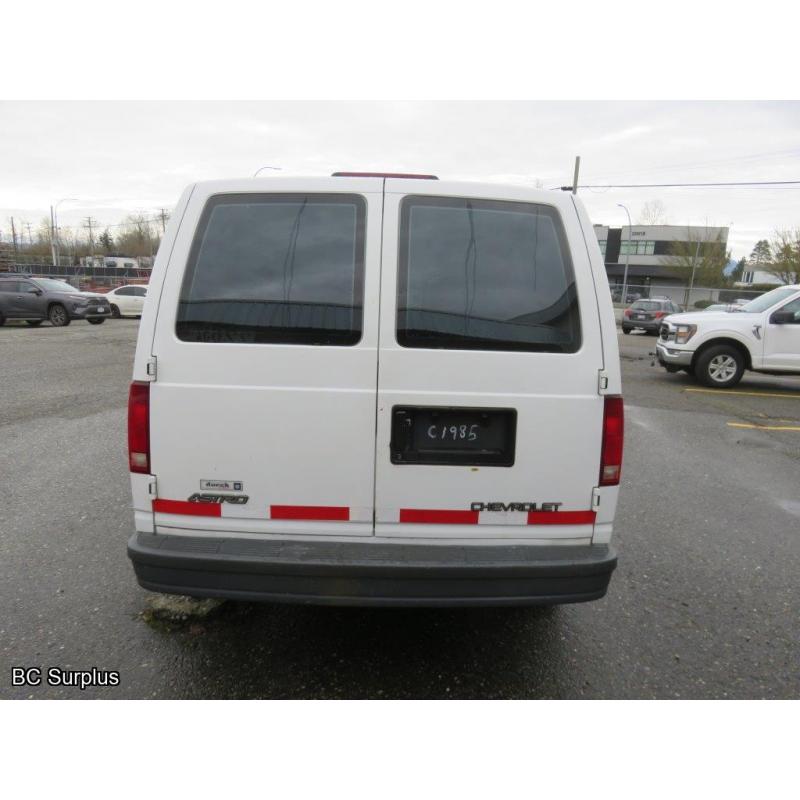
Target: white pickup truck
718	346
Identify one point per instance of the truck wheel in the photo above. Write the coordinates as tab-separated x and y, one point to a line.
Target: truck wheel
96	320
58	315
720	367
625	329
2	320
115	312
34	322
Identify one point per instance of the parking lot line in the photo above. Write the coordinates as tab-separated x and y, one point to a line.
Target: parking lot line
764	427
751	394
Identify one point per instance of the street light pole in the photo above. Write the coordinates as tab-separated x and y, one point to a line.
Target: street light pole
54	210
694	269
255	174
627	257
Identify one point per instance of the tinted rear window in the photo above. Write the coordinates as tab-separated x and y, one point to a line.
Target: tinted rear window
485	275
647	305
276	268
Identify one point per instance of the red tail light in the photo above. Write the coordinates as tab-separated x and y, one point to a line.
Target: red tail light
139	427
613	434
627	312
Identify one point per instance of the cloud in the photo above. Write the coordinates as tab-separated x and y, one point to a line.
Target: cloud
119	157
633	132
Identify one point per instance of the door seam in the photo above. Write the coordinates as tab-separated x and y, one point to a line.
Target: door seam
378	367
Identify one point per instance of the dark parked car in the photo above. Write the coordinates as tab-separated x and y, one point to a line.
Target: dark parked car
630	295
38	299
647	314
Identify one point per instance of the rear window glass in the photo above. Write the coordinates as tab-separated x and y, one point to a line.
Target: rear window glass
485	275
647	305
278	268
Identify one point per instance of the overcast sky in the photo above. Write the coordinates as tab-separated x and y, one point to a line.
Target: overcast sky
118	158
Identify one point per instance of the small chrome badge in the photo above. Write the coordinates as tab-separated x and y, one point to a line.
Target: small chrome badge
225	486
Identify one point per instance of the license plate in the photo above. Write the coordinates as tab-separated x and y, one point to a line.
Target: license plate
463	436
639	316
102	310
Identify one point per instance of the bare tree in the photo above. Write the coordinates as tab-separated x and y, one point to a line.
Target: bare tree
137	237
785	262
653	212
699	255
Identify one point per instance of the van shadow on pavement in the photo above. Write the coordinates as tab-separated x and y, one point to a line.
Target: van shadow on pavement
245	650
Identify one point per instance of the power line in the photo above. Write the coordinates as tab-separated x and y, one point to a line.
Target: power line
711	162
675	185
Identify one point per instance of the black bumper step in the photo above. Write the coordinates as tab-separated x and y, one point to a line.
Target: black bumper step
370	572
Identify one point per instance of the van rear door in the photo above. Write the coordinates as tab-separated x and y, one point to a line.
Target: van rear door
489	415
262	414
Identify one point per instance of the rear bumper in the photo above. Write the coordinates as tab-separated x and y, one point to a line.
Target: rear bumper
371	573
647	325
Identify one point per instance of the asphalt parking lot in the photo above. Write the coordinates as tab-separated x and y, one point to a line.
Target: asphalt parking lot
704	602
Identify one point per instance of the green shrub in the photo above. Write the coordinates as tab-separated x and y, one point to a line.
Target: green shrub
703	303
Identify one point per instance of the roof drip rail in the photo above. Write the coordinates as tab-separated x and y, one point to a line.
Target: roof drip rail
384	175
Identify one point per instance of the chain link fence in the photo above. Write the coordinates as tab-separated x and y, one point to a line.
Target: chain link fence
697	297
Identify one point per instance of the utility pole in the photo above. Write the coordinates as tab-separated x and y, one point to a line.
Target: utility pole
14	237
575	176
30	237
91	223
53	235
164	217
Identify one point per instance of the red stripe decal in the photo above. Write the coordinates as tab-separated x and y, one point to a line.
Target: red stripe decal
438	517
185	507
561	517
341	513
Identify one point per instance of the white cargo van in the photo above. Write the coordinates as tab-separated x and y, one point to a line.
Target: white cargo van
376	389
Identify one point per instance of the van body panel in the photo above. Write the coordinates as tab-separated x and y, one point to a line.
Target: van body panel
291	424
147	323
606	496
555	395
605	308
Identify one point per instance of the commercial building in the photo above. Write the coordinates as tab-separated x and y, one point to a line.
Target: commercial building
757	276
658	255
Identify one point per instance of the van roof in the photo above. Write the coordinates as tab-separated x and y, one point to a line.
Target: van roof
329	183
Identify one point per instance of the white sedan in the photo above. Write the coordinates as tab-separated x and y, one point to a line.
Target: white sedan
127	301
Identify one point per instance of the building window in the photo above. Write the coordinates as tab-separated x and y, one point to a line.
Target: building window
637	248
689	249
603	243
